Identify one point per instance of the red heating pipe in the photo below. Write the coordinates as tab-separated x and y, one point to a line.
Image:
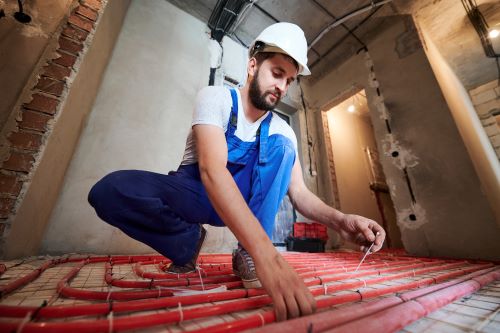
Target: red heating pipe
67	291
155	304
4	290
332	318
268	316
175	316
397	317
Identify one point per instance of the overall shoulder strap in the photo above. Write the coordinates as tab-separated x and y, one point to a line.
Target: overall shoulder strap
233	117
263	136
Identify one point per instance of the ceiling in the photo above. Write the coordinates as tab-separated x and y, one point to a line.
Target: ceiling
445	19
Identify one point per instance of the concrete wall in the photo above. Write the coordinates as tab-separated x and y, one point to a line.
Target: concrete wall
140	120
451	214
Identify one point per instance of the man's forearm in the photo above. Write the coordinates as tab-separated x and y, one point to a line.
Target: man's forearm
228	202
312	207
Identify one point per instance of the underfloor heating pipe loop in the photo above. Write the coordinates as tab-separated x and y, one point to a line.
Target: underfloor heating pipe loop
332	318
99	309
172	316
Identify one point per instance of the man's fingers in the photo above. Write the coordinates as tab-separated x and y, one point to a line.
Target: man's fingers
279	308
368	233
379	238
307	303
292	307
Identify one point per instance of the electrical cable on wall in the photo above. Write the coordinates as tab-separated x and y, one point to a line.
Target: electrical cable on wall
481	26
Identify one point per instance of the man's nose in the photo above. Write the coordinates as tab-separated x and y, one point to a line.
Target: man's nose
281	86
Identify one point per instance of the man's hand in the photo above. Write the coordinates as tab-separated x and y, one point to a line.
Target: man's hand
290	296
362	231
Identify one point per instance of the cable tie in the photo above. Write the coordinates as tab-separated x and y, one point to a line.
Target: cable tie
325	287
109	295
179	308
201	280
178	276
44	304
364	282
159	291
262	320
110	320
360	294
23	322
320	280
413	272
110	306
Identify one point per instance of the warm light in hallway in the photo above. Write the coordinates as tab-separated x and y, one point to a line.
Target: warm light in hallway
494	33
351	108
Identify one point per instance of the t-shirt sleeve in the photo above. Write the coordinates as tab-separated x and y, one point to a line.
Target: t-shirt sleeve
212	107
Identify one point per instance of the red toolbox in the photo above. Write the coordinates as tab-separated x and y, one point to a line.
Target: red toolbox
310	230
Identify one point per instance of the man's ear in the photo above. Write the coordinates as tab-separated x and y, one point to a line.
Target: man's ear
252	66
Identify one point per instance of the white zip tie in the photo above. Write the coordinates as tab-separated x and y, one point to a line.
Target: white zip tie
110	320
364	282
262	321
109	295
325	287
414	273
179	308
199	274
23	322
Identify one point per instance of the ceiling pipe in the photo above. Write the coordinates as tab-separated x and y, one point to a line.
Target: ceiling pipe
347	17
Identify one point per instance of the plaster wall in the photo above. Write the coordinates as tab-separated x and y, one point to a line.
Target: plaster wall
140	120
476	140
22	45
25	236
453	217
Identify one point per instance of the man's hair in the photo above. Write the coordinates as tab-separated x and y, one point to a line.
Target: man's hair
262	56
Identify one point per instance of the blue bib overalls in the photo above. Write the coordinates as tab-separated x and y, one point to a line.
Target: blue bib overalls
165	211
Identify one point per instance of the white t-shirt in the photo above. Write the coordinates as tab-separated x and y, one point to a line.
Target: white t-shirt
213	107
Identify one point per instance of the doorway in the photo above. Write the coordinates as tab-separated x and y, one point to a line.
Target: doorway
359	177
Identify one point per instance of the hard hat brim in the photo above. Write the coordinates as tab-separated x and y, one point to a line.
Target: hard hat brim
303	69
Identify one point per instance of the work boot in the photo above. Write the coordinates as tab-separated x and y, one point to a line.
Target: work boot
190	267
244	267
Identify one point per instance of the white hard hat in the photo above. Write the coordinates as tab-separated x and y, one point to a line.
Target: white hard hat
287	38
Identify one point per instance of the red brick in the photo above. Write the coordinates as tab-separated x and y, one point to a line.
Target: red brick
65	59
75	34
50	86
34	120
19	162
56	72
42	103
87	12
69	46
94	4
24	140
6	206
81	22
10	184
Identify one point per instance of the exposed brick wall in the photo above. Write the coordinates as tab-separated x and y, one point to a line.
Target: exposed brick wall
25	141
486	100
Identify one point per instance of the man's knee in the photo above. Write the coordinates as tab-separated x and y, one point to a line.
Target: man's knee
103	190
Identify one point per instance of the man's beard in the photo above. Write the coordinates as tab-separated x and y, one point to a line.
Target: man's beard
258	98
